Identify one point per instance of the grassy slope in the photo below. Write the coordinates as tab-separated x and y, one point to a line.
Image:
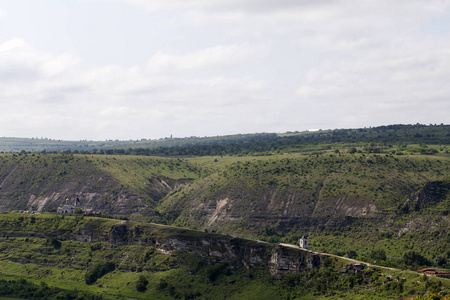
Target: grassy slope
277	198
24	177
314	185
170	276
343	201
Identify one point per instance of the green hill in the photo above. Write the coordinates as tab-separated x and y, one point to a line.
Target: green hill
363	196
115	185
379	194
64	257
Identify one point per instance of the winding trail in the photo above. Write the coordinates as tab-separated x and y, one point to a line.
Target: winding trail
297	247
337	256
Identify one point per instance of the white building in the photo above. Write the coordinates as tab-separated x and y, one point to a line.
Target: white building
304	242
67	208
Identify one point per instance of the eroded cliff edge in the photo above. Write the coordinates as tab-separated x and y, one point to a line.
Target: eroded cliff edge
209	247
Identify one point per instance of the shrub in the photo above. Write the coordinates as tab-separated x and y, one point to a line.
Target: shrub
413	258
162	284
55	243
99	270
141	284
352	254
378	254
214	272
23	289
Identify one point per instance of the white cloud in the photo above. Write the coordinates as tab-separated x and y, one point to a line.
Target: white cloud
19	61
214	57
221	67
403	85
60	89
3	16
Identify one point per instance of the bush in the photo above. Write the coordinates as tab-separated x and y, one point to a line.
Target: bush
440	261
352	254
162	284
378	254
23	289
141	284
214	272
98	271
55	243
413	258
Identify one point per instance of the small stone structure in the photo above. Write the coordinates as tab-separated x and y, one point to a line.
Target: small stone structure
304	242
351	269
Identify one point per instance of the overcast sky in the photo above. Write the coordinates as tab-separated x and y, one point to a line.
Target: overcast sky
131	69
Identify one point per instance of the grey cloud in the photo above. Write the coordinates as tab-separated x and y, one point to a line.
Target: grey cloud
18	72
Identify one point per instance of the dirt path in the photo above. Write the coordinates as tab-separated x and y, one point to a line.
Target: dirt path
296	247
346	258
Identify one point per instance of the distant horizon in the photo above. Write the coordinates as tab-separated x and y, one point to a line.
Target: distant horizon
212	136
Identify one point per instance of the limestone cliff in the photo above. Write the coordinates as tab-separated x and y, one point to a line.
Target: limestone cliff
218	248
211	248
128	185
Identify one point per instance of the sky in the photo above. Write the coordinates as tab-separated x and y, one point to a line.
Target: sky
132	69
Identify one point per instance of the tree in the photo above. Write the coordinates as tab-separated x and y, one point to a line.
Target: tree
414	258
352	254
141	284
378	254
98	271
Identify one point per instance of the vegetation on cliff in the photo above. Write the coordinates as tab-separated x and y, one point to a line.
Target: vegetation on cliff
118	185
376	194
174	263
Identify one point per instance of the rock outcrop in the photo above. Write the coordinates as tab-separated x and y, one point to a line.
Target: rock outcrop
212	248
218	248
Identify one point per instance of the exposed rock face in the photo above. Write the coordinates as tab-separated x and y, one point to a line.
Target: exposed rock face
287	260
214	248
120	202
433	192
43	182
300	194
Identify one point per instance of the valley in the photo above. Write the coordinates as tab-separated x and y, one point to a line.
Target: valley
187	226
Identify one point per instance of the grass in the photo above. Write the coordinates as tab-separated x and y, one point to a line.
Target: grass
344	201
27	253
361	180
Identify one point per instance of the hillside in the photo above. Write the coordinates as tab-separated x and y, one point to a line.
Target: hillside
342	201
115	185
283	198
379	194
63	257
